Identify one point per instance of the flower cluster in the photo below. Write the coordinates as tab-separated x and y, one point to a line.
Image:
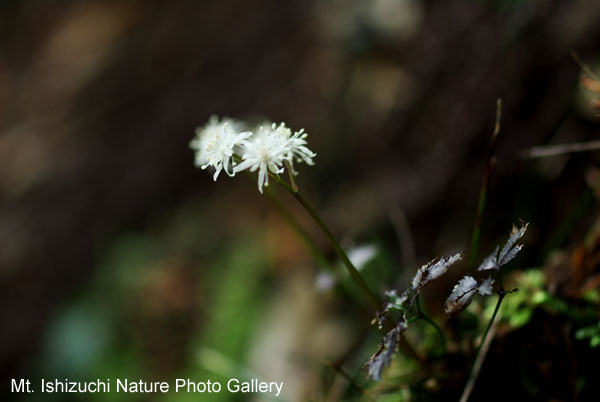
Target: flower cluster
268	149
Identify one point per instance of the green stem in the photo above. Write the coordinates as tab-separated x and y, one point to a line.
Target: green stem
300	232
481	351
291	176
438	329
477	226
485	185
432	323
354	274
487	329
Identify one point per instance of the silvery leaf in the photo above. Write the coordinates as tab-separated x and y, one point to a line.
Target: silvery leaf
432	270
485	287
385	354
461	295
509	251
491	262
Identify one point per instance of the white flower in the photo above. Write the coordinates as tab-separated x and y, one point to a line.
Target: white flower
215	144
296	145
264	151
267	150
299	150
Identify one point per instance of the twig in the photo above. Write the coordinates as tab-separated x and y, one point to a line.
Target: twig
485	184
405	238
584	66
342	373
485	347
488	335
560	149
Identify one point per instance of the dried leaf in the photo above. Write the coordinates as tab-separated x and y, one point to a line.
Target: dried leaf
508	252
385	354
431	271
485	287
463	293
491	262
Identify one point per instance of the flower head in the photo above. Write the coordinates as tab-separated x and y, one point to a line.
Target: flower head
295	144
264	151
215	144
298	149
268	149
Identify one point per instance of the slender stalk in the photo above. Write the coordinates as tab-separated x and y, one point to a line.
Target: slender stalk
482	351
354	274
342	373
291	175
561	149
300	232
438	329
584	66
432	323
405	345
477	226
485	184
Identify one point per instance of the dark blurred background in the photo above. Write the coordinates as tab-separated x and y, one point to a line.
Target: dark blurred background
119	259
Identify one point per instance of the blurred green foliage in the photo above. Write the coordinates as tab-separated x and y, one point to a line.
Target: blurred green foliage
99	332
